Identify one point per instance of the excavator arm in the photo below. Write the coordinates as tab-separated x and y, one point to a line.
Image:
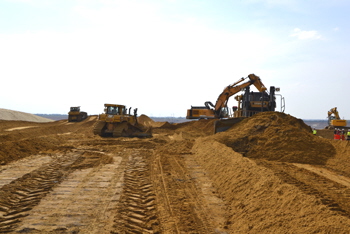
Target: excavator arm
235	88
334	112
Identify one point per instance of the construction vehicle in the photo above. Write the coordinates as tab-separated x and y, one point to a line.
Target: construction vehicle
249	103
117	121
334	119
75	115
220	110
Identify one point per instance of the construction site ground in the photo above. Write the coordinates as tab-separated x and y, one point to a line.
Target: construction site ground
267	174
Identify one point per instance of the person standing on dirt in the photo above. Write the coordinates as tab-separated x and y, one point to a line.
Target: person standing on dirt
314	131
337	134
343	134
348	135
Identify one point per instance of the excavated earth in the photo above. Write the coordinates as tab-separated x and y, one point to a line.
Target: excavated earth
267	174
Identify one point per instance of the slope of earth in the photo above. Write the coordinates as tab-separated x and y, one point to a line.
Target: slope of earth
267	174
6	114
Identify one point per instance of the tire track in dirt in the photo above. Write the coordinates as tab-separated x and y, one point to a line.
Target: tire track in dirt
330	193
84	202
15	170
181	204
136	211
21	195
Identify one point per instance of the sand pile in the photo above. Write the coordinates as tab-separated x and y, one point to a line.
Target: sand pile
277	136
148	122
257	200
17	115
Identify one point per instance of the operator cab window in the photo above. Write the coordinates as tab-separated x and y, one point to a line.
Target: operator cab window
112	110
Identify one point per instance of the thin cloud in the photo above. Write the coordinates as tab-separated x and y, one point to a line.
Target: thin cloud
305	35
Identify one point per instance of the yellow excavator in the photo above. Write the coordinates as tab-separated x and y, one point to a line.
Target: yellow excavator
117	121
220	110
334	119
249	103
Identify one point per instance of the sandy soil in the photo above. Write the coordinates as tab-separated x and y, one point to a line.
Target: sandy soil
6	114
267	174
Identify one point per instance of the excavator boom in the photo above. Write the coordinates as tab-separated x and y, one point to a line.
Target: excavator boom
235	88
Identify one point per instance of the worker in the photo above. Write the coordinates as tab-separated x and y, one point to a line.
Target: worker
314	131
348	135
337	134
343	134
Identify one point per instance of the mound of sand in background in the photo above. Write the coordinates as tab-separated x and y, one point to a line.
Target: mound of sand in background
17	115
148	122
277	136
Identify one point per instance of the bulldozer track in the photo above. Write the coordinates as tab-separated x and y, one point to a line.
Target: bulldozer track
136	209
24	193
176	190
330	193
119	129
73	204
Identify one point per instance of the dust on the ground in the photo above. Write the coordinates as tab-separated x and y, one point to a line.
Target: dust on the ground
267	174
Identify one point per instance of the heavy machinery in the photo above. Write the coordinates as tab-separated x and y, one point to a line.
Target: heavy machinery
334	119
249	103
75	115
220	110
116	121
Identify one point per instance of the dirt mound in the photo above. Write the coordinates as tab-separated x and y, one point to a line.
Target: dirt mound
145	120
277	136
148	122
17	115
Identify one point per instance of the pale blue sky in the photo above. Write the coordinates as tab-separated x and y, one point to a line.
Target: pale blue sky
164	56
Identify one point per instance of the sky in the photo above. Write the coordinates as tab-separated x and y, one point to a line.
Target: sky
164	56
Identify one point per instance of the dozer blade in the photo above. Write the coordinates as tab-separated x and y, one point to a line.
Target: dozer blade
128	130
224	124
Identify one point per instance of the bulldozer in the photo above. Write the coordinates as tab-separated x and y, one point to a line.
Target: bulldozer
117	121
334	120
75	115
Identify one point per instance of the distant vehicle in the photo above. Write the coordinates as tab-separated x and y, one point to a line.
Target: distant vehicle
75	115
116	121
334	119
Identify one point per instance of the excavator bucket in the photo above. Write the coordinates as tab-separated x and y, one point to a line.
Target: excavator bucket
224	124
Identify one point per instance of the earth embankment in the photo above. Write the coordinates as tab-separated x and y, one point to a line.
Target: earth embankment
267	174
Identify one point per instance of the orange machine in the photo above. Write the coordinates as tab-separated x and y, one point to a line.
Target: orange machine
220	110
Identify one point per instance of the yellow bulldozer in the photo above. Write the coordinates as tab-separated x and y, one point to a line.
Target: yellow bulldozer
75	115
117	121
